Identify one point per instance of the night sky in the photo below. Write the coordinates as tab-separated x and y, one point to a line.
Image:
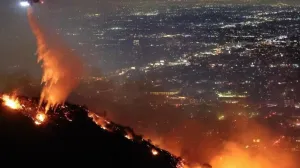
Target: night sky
17	44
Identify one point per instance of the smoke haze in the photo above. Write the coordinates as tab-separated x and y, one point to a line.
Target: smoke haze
226	143
168	127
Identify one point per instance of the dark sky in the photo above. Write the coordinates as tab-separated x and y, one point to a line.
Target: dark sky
17	42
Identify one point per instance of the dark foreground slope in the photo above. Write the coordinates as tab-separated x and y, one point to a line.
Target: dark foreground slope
75	142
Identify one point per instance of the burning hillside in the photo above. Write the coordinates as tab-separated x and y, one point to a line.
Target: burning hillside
74	134
50	129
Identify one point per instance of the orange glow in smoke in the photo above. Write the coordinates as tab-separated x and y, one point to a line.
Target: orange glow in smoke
235	156
11	102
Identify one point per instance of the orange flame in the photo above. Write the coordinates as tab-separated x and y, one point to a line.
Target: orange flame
40	118
61	69
11	102
100	121
128	136
154	152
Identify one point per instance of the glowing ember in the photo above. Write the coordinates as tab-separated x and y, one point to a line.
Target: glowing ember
128	137
40	118
11	102
154	152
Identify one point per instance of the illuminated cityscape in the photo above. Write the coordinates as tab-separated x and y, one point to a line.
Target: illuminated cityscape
220	61
192	77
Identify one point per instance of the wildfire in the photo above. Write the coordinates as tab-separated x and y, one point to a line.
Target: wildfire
62	70
99	120
40	118
30	109
11	102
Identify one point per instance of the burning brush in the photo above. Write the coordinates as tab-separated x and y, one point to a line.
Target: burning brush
40	118
11	102
30	108
14	103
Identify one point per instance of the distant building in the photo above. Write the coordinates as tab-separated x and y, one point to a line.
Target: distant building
137	51
289	103
231	98
289	98
170	93
136	42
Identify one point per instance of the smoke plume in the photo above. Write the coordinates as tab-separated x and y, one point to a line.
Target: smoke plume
62	69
